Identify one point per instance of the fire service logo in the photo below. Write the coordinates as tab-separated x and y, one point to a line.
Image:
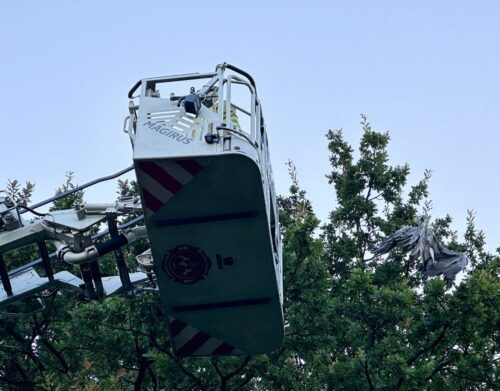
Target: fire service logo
186	264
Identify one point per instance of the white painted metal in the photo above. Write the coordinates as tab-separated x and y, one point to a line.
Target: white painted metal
166	140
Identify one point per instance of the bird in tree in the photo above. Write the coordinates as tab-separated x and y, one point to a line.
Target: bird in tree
435	259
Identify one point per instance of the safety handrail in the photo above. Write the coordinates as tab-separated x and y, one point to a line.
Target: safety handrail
168	79
253	113
133	89
243	73
238	77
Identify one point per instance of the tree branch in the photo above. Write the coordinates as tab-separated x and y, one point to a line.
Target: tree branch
419	352
438	369
144	364
240	367
434	343
368	378
57	354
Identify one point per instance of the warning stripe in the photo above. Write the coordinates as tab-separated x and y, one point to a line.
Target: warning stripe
176	326
207	348
191	166
193	344
154	195
223	348
160	180
151	201
189	341
176	171
155	188
160	176
185	336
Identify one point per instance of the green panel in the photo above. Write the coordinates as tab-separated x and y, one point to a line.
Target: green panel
228	185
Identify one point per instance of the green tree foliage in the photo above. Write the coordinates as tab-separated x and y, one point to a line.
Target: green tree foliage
127	188
20	194
71	200
352	322
393	330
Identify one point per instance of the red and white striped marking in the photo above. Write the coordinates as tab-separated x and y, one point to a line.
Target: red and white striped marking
189	341
161	179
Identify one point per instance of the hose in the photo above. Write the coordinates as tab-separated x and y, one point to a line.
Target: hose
67	254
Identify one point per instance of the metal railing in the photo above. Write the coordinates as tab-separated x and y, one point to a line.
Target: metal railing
222	85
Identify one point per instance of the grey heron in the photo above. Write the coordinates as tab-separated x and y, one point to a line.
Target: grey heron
421	242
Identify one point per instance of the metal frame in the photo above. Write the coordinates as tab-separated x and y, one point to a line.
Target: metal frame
91	275
223	83
220	82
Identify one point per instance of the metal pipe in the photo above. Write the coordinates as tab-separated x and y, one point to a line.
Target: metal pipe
66	254
136	233
167	79
253	95
228	121
241	134
91	253
243	73
208	86
252	121
122	205
220	91
99	207
37	262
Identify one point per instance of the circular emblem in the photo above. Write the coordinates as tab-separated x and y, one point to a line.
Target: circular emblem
186	264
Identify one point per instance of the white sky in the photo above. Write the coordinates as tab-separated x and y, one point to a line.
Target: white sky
429	72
